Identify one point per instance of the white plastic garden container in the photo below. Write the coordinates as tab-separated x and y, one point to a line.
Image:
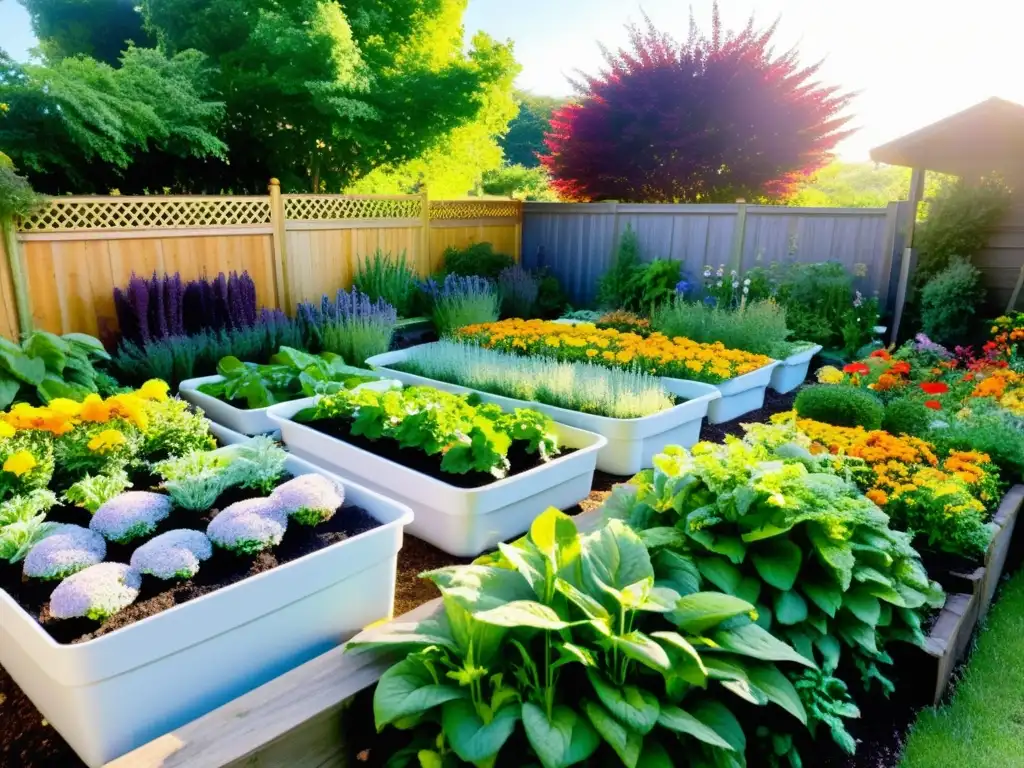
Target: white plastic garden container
791	372
112	694
632	443
247	421
740	395
461	521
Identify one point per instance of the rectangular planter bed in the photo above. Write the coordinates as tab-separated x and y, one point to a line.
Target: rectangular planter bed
740	395
461	521
116	692
632	443
950	638
246	421
791	372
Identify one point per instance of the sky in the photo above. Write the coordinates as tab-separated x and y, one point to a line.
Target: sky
911	62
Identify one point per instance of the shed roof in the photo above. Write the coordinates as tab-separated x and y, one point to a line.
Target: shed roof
985	138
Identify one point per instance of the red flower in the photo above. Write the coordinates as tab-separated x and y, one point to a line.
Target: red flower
856	368
902	368
934	388
882	354
935	405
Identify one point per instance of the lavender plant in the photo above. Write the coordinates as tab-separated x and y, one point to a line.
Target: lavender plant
461	300
519	289
352	325
309	499
248	527
96	593
173	555
66	550
383	276
130	515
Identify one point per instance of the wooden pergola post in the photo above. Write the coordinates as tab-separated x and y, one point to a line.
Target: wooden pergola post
909	262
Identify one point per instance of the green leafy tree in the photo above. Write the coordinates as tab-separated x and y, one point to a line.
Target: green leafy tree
519	182
859	185
101	29
525	138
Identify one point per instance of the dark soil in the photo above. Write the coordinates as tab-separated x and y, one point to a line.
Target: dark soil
418	461
773	403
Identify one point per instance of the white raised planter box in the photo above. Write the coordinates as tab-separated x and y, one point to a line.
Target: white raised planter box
461	521
740	395
791	372
632	443
112	694
247	421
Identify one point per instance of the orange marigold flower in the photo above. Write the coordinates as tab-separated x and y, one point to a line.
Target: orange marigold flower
881	354
878	496
900	368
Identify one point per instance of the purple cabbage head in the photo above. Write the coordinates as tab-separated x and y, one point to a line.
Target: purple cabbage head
309	499
248	527
130	515
173	555
69	549
96	593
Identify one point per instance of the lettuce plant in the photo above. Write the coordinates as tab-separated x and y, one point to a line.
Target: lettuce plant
96	593
589	645
65	550
26	506
130	515
18	538
612	392
309	499
93	491
173	555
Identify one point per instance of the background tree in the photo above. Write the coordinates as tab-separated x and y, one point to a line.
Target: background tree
860	185
704	120
524	142
100	29
519	182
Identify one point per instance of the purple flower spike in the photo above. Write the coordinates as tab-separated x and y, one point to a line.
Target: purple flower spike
130	515
248	527
71	548
96	593
309	499
173	555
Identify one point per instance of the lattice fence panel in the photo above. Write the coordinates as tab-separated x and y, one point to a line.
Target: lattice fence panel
147	213
447	210
332	207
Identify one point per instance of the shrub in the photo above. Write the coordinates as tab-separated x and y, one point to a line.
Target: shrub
384	277
950	300
46	366
460	301
580	387
352	325
817	298
614	290
992	433
130	515
653	284
551	299
309	499
248	527
96	593
17	198
841	405
758	327
173	555
66	550
519	290
476	259
625	321
907	416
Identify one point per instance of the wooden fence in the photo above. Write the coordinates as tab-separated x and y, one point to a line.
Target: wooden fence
1001	263
73	252
578	241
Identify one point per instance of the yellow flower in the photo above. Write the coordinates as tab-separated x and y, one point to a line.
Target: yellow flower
154	389
6	430
829	374
65	407
106	441
590	353
94	410
19	463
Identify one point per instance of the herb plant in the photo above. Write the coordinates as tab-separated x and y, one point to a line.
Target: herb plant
460	301
352	325
519	290
758	326
384	277
46	366
590	646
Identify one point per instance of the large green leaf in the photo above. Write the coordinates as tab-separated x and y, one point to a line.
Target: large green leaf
564	739
829	648
626	742
659	538
827	596
721	720
862	604
53	387
837	555
525	559
394	634
686	662
554	533
777	687
681	721
639	647
751	640
654	755
29	370
89	344
676	572
731	547
485	642
704	610
856	632
481	588
49	348
790	608
590	607
8	390
407	689
523	613
633	706
470	737
778	562
616	563
720	572
733	676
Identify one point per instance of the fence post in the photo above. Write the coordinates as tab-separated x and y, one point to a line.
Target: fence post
22	297
277	223
739	236
425	226
519	231
906	271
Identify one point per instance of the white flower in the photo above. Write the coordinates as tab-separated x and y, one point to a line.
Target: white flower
746	290
707	271
720	283
747	281
735	284
719	272
733	273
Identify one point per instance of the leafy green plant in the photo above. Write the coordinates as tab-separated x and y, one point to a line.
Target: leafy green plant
469	436
654	284
45	366
478	259
907	416
817	298
615	288
382	276
17	198
289	375
859	323
990	431
92	491
950	300
840	404
758	326
599	650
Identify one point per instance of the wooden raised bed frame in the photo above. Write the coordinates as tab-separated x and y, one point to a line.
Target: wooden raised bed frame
298	719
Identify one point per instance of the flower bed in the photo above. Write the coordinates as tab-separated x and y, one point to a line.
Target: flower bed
473	474
113	594
636	413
